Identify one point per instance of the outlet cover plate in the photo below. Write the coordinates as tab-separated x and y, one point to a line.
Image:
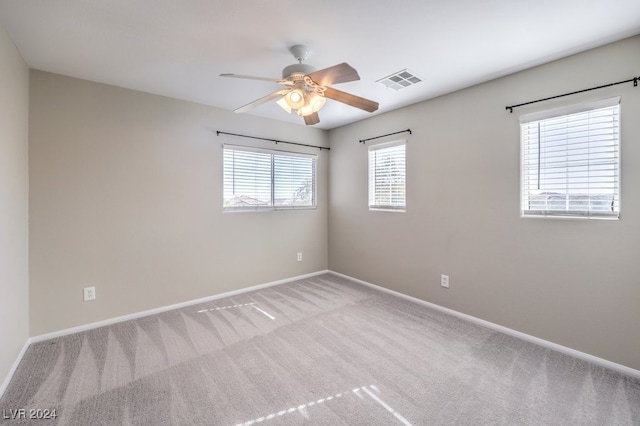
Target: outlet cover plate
89	294
444	281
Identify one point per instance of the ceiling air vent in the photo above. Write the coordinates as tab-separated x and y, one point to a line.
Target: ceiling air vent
399	80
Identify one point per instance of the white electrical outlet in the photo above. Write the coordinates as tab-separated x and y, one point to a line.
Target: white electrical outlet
444	281
299	257
89	293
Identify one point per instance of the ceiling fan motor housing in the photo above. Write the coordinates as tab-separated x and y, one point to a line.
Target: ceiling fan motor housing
296	72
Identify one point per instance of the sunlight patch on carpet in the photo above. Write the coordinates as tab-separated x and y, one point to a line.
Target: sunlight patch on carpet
303	408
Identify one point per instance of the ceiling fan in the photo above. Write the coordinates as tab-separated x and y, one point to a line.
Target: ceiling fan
307	90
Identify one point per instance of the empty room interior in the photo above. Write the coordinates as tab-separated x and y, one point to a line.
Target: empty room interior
320	213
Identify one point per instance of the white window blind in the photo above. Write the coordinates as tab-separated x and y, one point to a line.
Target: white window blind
258	179
387	176
571	161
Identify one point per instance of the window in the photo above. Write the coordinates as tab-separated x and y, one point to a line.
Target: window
387	176
571	162
259	179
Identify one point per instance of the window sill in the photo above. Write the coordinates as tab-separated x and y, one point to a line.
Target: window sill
265	209
569	217
371	209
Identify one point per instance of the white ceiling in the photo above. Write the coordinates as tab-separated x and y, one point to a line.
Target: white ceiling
179	48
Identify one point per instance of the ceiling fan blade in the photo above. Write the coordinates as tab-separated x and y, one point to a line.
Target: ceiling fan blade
263	100
251	77
311	119
349	99
341	73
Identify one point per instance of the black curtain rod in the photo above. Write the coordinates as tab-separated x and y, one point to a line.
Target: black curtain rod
272	140
388	134
634	79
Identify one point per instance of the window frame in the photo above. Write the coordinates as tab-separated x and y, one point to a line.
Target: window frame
272	205
615	173
390	207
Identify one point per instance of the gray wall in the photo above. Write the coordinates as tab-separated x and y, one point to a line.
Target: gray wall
572	282
126	196
14	204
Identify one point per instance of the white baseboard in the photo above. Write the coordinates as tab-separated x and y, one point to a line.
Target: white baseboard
97	324
554	346
135	315
499	328
14	367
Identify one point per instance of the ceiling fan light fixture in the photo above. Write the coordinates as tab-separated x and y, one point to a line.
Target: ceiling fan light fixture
283	104
295	98
314	103
318	102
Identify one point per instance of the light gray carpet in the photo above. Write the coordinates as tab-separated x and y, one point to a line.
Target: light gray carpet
319	351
